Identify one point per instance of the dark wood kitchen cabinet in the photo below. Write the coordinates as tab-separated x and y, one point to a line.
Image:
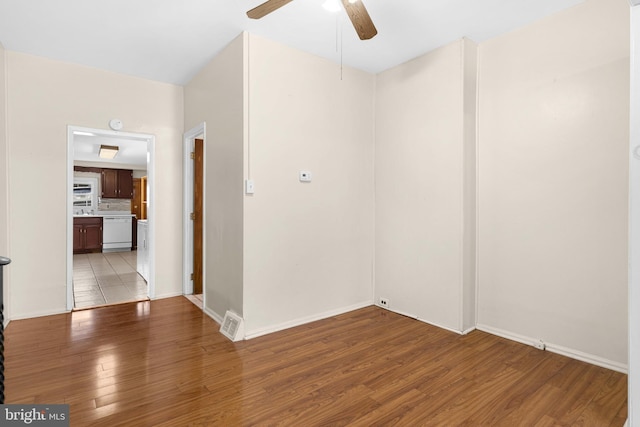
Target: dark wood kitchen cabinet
87	235
117	184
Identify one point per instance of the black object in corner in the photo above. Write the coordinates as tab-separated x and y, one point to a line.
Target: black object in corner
3	261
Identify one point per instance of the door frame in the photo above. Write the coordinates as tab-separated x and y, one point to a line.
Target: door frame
634	221
151	213
198	131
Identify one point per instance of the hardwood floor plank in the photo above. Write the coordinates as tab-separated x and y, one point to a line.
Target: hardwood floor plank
581	382
164	363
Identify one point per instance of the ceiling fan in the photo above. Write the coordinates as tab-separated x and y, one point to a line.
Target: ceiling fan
355	9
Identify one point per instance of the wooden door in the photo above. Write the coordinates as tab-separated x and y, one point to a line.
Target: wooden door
143	196
197	217
136	202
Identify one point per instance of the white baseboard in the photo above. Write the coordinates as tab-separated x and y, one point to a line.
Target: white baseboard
167	295
212	314
402	313
468	331
303	320
39	314
455	331
589	358
437	325
558	349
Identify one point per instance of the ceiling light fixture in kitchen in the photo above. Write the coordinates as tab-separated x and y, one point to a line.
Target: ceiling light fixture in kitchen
108	151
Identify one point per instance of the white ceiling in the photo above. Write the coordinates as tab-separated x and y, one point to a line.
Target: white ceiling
169	40
132	153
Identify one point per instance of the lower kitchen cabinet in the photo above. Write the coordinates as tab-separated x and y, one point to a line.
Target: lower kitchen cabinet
87	235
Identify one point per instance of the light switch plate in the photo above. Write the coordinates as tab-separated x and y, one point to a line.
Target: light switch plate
248	186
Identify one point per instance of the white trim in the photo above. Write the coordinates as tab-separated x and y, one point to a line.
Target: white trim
402	313
151	214
634	223
508	335
187	225
553	348
70	154
34	314
212	314
167	295
150	140
468	331
304	320
187	208
437	325
589	358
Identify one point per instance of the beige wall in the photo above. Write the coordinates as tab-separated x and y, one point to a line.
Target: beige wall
45	96
554	131
4	176
216	96
308	247
552	181
425	186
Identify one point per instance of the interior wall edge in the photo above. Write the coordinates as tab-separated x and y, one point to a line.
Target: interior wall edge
634	223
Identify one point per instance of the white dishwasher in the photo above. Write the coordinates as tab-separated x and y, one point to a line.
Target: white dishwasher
116	233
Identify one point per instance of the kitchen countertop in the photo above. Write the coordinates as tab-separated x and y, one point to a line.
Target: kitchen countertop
103	214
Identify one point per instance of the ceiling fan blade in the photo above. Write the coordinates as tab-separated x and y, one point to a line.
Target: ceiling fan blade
360	19
266	8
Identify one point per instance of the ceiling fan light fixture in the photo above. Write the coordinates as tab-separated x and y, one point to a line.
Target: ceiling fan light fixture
108	151
332	6
355	9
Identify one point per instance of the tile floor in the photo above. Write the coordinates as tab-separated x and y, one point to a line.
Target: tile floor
106	278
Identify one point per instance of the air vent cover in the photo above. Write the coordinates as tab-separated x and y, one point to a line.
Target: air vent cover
232	326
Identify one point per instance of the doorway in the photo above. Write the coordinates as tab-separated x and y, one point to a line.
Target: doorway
114	273
194	214
197	218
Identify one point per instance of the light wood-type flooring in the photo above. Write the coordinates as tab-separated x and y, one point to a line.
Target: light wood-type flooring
163	363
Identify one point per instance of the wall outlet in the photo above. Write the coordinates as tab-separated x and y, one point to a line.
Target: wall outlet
304	176
540	345
384	302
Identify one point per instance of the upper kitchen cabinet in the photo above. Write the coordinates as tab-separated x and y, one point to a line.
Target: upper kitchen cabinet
117	184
